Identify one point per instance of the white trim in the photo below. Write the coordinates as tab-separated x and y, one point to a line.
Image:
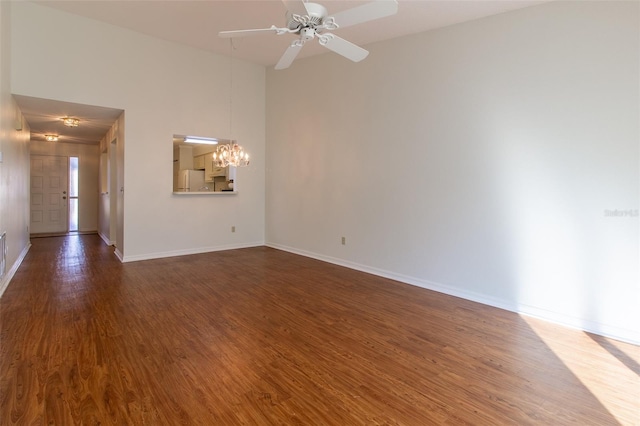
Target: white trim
595	327
118	254
625	335
4	283
182	193
160	255
105	239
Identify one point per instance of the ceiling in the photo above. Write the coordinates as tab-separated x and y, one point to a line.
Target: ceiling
197	23
44	118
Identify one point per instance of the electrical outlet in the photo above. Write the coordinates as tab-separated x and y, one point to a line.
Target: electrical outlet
344	241
233	229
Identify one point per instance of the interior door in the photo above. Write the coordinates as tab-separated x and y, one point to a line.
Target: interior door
49	200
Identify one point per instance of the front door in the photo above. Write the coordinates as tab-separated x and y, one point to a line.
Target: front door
49	201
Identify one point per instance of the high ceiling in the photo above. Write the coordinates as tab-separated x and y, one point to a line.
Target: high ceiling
197	23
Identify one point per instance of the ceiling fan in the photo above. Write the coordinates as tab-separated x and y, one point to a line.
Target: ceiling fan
310	20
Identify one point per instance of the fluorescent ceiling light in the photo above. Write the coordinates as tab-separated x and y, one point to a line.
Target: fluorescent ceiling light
204	141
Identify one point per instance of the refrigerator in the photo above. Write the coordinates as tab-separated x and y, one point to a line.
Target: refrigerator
191	181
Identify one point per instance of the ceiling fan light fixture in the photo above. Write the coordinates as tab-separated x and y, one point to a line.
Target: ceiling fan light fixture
309	20
70	121
51	138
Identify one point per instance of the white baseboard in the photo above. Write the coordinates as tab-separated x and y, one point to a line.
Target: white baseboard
105	239
87	231
118	254
174	253
4	283
625	335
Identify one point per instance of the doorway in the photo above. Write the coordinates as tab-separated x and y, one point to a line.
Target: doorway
49	205
113	190
94	129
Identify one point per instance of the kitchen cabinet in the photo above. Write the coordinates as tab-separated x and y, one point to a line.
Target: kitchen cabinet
199	162
183	157
220	171
211	171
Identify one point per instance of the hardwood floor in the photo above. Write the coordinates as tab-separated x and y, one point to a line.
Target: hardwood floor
283	340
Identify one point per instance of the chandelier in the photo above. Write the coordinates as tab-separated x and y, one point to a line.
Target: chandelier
230	154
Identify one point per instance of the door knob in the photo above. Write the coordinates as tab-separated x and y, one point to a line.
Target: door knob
64	192
64	198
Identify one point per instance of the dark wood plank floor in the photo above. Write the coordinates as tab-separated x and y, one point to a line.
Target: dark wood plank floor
260	337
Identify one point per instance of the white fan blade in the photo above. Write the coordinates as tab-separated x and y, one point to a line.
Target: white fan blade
289	55
296	7
244	33
344	47
367	12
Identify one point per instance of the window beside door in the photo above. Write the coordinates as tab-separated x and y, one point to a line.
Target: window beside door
73	194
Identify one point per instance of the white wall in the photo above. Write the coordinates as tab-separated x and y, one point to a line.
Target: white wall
164	89
88	167
14	167
478	160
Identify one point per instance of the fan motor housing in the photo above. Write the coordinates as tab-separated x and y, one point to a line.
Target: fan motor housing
307	33
315	12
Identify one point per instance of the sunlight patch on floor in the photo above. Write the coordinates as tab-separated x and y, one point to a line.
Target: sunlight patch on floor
610	378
